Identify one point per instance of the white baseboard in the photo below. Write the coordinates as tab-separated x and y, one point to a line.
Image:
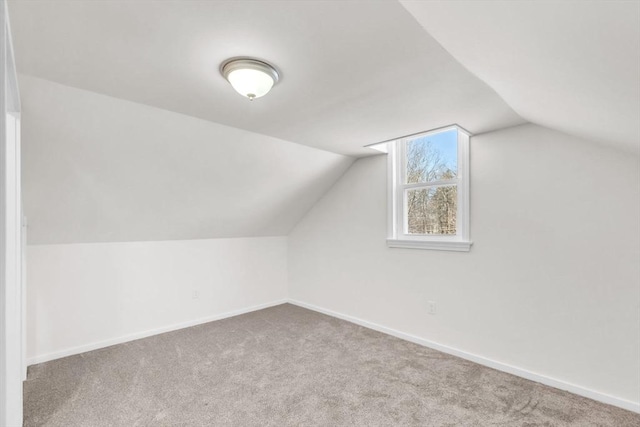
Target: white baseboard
143	334
562	385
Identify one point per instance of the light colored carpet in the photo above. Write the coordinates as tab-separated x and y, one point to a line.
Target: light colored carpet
287	366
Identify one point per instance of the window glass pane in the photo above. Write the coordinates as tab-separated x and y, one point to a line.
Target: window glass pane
432	157
432	210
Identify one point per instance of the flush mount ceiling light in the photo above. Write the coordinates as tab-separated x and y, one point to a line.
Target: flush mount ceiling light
249	77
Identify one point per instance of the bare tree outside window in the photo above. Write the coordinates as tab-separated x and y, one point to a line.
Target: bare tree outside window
431	209
427	162
428	190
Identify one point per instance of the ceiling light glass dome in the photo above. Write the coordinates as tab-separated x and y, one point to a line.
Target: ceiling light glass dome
250	77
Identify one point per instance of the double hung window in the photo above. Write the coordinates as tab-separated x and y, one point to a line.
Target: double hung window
429	190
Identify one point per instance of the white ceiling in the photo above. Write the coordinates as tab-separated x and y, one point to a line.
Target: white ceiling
142	139
354	73
568	65
98	169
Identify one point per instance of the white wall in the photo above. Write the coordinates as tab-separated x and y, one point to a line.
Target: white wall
551	284
85	296
11	307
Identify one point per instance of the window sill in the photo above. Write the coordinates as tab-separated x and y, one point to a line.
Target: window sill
456	246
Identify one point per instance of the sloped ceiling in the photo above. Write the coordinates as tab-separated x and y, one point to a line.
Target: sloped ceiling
573	66
99	169
354	73
130	133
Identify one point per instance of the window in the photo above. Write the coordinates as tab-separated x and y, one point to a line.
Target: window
429	190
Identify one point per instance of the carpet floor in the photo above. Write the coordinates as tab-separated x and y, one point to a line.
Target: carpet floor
288	366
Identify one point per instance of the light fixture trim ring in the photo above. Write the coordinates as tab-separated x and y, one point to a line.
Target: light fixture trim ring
244	62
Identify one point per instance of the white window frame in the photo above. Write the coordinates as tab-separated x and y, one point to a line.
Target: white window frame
397	216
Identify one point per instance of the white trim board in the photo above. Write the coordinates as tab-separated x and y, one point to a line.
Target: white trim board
144	334
542	379
562	385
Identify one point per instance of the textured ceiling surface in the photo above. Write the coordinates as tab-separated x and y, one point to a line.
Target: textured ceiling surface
567	65
130	132
353	73
100	169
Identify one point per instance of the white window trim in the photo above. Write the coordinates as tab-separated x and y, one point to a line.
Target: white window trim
397	238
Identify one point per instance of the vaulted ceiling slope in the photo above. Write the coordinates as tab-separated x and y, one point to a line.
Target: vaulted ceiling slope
98	169
568	65
353	73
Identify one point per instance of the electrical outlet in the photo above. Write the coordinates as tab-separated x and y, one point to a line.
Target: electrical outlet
431	307
195	294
